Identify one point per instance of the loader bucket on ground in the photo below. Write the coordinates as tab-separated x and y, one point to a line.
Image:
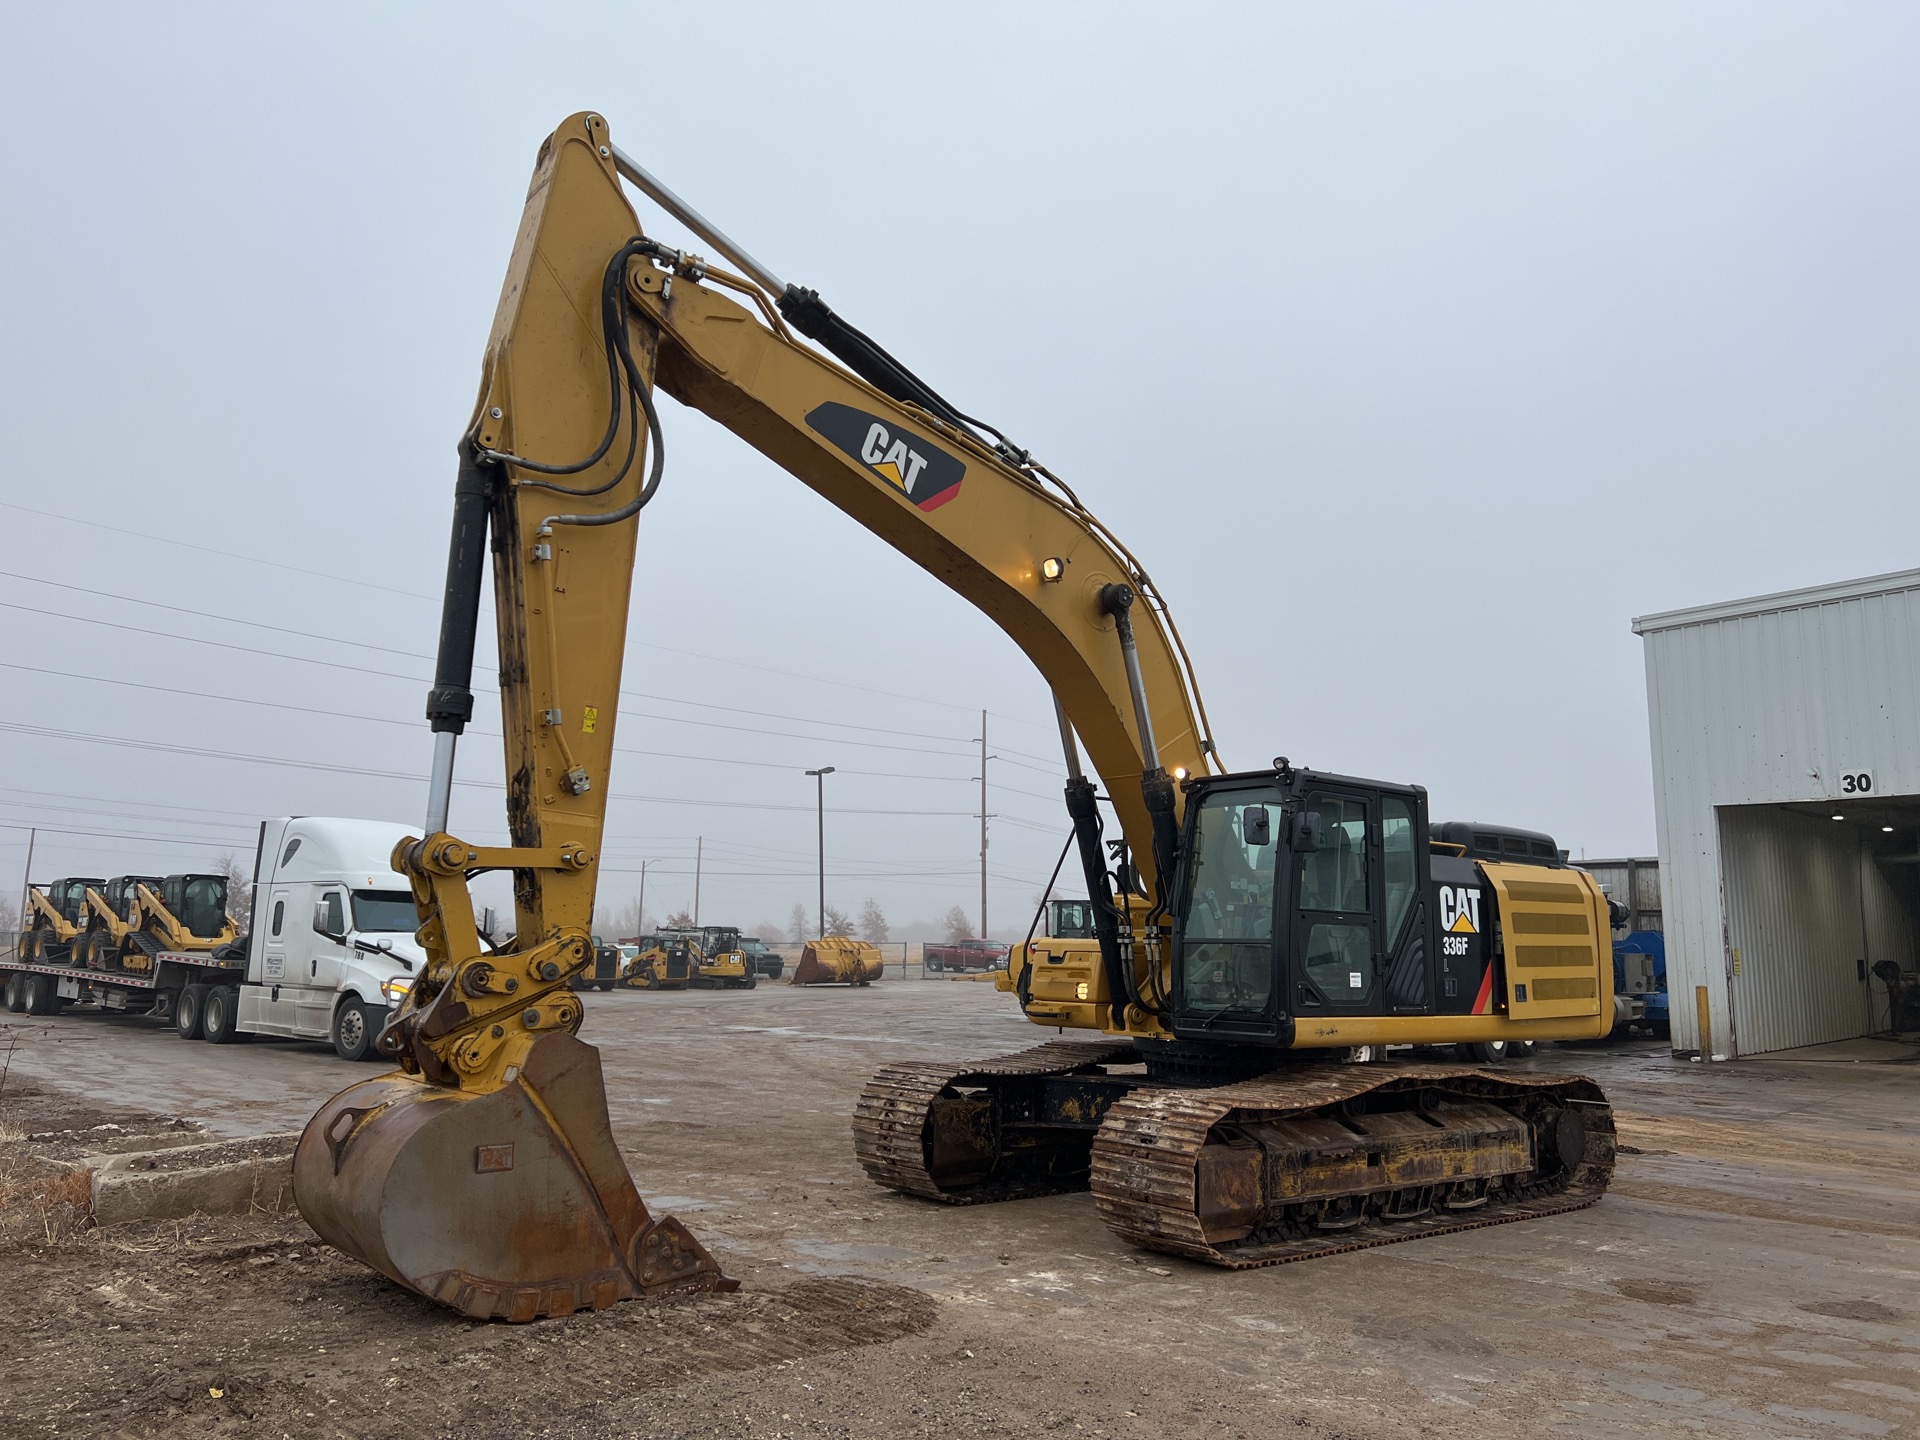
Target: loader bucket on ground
509	1205
837	960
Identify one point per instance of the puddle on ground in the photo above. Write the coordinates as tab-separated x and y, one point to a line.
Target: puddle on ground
1658	1292
853	1254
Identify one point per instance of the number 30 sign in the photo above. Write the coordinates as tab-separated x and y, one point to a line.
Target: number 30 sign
1856	782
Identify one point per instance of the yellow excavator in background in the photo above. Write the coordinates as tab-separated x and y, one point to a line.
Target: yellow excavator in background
1249	928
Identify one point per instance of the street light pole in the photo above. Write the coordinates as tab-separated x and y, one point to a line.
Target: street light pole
820	814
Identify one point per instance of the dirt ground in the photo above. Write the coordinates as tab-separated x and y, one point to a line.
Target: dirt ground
1755	1270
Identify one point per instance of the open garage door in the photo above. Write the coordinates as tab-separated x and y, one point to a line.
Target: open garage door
1816	897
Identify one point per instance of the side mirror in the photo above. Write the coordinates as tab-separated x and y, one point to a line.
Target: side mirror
1256	826
323	921
1304	836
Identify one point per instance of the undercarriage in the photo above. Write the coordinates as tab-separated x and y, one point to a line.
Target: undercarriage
1311	1159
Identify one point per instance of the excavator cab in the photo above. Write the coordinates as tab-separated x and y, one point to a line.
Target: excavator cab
1071	920
1302	895
1305	901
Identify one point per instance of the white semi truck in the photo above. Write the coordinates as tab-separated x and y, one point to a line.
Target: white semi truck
329	953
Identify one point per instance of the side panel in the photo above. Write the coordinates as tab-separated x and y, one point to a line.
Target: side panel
1557	947
269	1010
1463	910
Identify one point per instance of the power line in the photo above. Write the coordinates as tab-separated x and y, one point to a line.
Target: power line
210	615
149	537
161	747
117	800
415	725
416	655
217	644
421	680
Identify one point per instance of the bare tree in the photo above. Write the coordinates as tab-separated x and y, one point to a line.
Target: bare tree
618	924
680	920
838	922
797	924
239	889
771	931
873	923
959	927
9	915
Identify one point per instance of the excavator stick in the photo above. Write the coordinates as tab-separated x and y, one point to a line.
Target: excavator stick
838	960
483	1174
548	1219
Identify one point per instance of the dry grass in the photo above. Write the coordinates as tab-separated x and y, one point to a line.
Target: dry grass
41	1206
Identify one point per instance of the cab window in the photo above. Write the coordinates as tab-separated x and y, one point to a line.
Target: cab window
1396	842
1227	910
1334	877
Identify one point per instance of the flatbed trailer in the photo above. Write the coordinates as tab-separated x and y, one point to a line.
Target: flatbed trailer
330	952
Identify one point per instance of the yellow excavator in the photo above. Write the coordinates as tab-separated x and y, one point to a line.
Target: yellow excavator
1250	929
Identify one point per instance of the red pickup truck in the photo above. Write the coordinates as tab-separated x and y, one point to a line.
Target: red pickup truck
964	955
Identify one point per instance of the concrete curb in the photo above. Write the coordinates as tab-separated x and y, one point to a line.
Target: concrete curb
200	1181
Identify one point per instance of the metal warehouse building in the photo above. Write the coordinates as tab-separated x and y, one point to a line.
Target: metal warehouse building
1786	766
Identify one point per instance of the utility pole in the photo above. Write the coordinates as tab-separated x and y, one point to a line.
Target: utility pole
642	928
820	813
699	847
984	757
26	879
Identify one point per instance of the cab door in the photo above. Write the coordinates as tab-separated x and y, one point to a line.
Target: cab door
1337	961
327	953
273	949
1225	970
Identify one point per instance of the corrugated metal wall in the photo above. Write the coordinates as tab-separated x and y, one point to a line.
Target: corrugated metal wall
1634	883
1796	928
1893	933
1772	700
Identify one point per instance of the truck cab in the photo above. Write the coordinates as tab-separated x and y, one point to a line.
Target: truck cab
765	960
332	948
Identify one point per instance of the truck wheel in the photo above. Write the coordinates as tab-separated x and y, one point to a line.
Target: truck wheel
355	1028
932	964
1493	1052
41	996
221	1015
16	991
189	1013
1520	1049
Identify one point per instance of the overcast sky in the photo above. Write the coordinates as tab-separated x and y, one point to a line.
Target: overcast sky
1414	349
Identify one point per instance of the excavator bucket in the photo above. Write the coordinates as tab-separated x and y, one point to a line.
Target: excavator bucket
510	1205
838	960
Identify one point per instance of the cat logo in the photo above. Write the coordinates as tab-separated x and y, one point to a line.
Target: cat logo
1460	910
923	473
